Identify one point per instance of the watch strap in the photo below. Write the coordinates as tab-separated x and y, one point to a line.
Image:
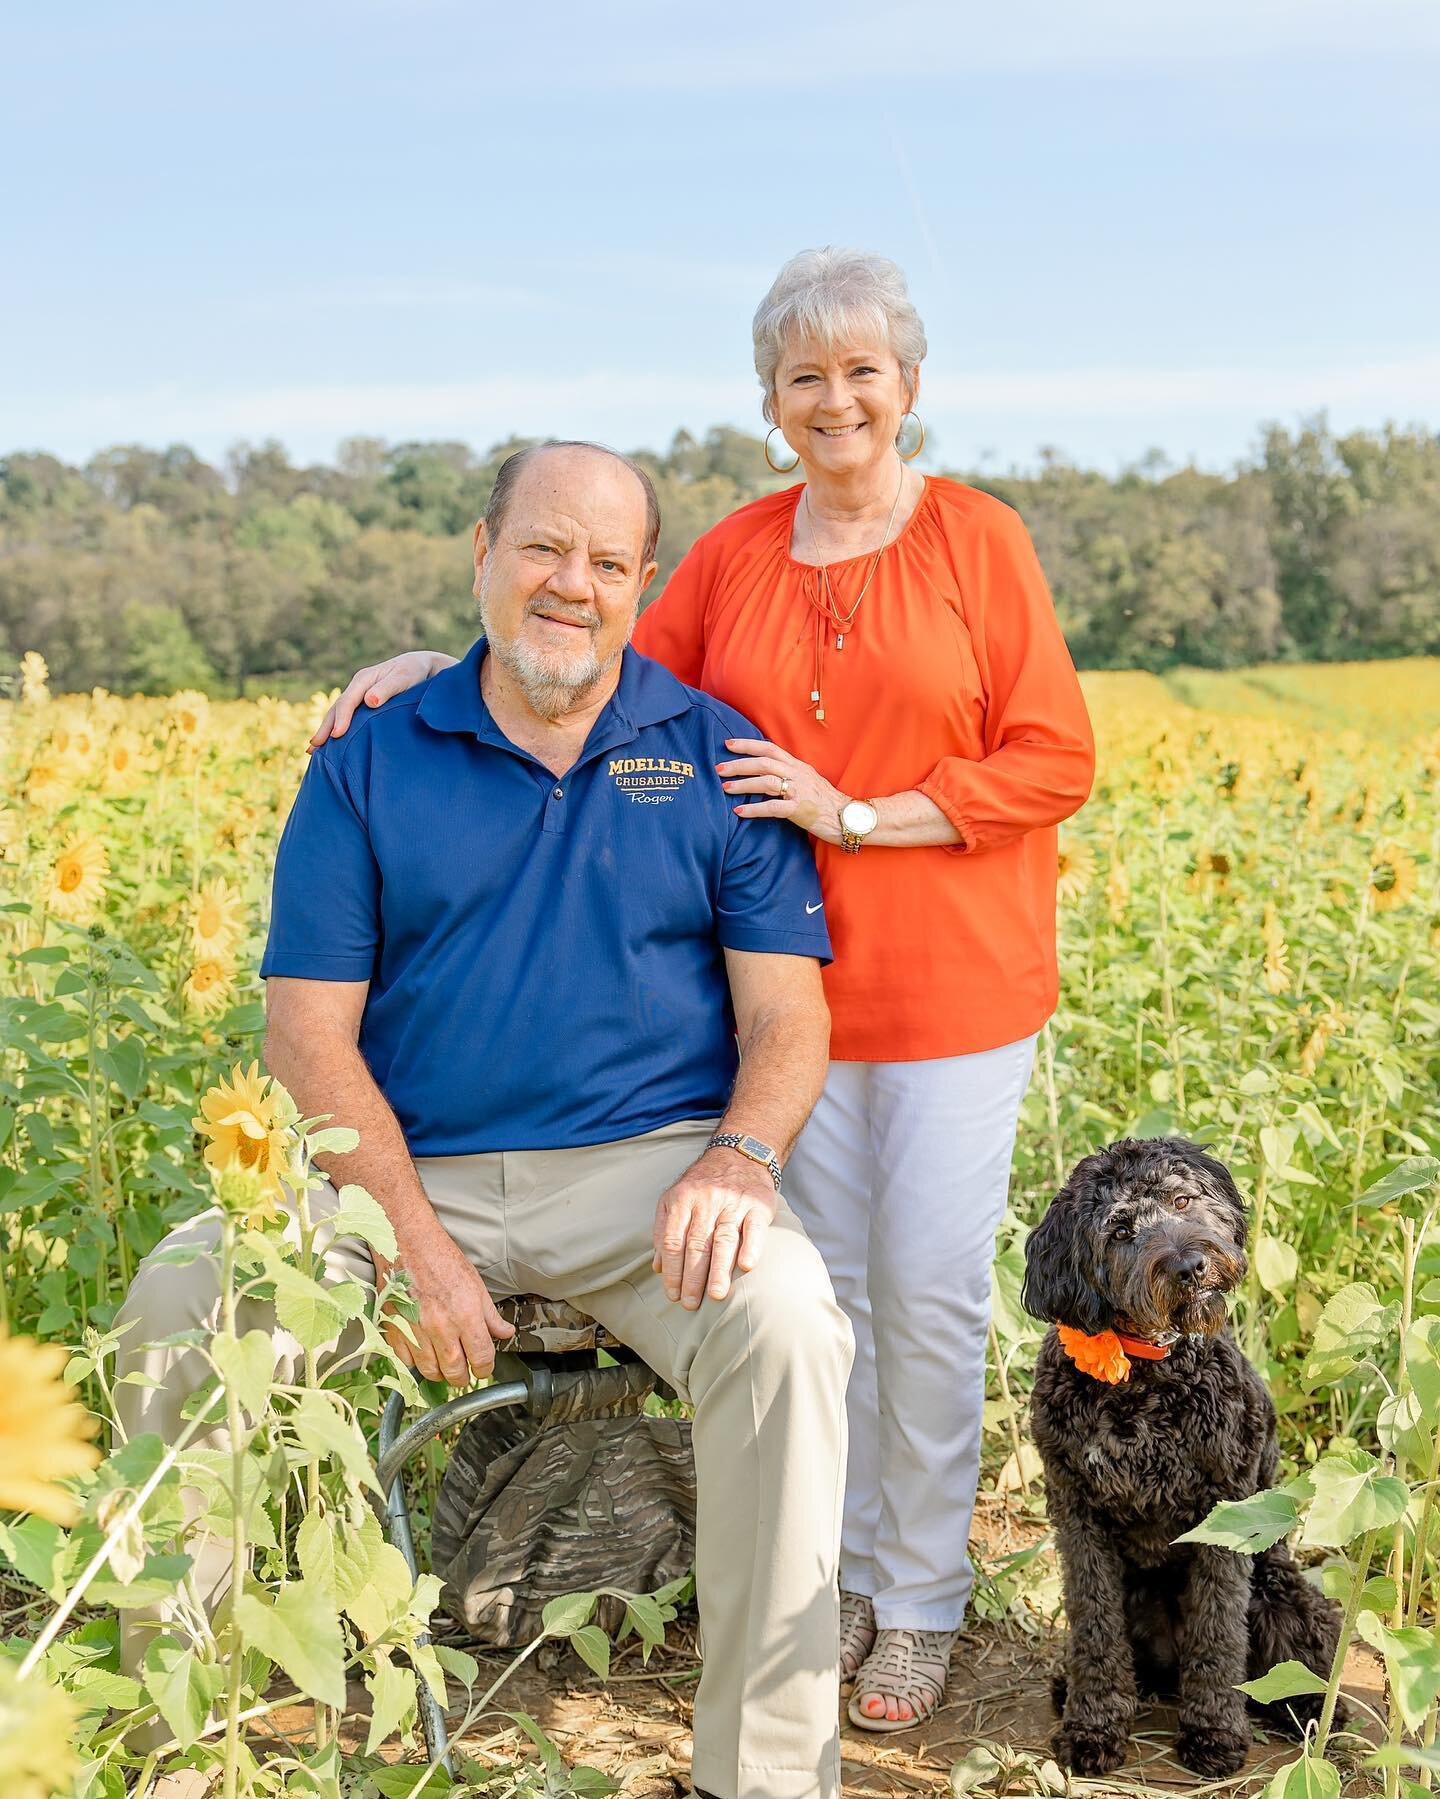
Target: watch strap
850	841
733	1140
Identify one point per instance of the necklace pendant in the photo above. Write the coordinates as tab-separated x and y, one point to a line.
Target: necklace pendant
815	697
839	640
819	715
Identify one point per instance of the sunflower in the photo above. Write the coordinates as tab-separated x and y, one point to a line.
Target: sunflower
37	1723
9	831
209	985
219	919
1076	869
1322	1029
44	1431
47	786
75	749
1393	876
249	1120
1310	789
125	761
188	715
34	678
1213	867
1278	973
77	881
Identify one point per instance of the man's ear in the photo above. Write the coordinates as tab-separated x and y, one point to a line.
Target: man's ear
482	549
646	577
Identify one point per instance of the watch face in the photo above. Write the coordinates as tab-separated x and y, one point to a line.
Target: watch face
859	818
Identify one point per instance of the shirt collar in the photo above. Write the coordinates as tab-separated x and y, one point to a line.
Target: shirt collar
647	694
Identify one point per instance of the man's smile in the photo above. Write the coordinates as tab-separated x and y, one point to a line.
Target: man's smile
562	623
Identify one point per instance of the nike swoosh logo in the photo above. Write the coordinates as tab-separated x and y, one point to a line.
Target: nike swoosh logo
816	907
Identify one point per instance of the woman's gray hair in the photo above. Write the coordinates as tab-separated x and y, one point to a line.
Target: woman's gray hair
828	294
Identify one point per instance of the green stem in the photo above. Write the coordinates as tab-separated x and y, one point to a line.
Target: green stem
1006	1401
1052	1103
1342	1645
234	1423
312	1379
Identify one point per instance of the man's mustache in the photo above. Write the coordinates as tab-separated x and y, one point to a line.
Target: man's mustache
567	615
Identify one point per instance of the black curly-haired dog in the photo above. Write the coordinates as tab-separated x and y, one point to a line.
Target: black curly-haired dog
1145	1239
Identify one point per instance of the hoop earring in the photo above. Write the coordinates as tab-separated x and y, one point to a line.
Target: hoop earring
790	467
910	457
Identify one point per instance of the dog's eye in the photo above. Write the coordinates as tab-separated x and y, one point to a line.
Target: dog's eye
1181	1201
1123	1233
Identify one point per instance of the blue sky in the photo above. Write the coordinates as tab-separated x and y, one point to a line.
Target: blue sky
1126	225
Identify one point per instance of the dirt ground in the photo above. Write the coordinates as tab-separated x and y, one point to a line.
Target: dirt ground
636	1725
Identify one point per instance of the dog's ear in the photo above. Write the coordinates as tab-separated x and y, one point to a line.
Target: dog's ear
1057	1284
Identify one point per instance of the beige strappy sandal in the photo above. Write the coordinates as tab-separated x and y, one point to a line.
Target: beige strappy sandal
912	1665
857	1634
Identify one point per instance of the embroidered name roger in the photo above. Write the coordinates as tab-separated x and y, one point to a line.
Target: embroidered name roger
649	780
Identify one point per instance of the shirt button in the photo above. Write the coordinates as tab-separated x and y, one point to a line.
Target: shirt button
559	793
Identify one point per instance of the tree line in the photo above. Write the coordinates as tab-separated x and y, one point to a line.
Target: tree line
151	570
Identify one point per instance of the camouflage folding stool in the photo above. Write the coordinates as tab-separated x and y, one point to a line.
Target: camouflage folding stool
561	1401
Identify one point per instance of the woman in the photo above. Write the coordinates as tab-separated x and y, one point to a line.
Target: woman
893	637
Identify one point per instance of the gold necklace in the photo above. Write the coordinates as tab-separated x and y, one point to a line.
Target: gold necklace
830	607
827	609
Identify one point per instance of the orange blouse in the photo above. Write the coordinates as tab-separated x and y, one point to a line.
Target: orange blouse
953	679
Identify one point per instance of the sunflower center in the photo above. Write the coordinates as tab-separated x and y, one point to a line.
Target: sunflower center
71	875
1383	878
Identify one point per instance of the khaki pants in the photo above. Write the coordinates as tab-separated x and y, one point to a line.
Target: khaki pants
765	1371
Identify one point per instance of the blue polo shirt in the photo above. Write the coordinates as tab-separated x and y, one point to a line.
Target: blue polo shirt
544	953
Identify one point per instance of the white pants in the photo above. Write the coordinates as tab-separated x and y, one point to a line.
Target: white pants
900	1179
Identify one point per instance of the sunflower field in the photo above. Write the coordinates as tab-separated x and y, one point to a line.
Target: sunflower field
1250	920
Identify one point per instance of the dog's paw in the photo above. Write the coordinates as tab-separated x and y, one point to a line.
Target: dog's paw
1084	1750
1212	1750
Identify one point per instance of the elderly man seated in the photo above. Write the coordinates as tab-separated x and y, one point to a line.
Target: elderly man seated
517	930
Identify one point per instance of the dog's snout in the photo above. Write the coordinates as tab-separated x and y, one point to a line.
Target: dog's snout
1187	1265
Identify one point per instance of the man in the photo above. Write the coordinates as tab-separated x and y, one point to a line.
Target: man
517	928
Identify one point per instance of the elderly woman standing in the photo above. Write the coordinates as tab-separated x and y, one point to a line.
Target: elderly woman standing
893	636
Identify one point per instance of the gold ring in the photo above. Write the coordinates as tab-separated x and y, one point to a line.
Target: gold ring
784	785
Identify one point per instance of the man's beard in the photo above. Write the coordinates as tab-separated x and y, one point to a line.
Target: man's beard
552	684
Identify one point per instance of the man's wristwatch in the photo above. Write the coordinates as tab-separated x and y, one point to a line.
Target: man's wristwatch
858	818
752	1148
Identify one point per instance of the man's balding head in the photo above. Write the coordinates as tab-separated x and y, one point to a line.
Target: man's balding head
558	451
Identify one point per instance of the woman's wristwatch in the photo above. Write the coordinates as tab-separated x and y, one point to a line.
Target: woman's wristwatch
750	1147
858	818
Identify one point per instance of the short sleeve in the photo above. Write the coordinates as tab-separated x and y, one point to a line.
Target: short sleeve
770	898
325	902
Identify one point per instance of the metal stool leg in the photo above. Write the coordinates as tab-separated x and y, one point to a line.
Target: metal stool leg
396	1448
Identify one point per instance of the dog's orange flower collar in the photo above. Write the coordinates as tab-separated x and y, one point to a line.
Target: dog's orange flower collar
1106	1355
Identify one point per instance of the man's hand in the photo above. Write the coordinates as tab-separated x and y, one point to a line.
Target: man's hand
712	1224
458	1326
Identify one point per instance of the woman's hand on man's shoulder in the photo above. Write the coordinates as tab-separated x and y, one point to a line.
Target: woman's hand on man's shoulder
373	686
